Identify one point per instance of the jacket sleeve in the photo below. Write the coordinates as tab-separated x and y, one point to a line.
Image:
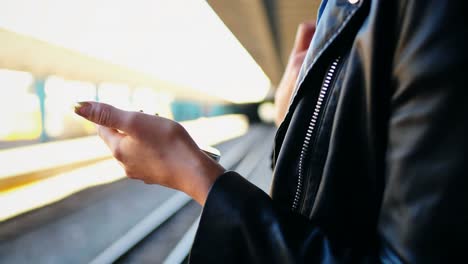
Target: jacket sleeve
424	212
240	224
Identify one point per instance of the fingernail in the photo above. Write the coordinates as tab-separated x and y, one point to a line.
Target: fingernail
82	108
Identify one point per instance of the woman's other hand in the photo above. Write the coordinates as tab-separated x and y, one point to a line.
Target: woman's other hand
283	94
153	149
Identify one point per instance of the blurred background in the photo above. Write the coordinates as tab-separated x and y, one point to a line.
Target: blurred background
211	65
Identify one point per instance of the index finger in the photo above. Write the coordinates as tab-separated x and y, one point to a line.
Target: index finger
105	115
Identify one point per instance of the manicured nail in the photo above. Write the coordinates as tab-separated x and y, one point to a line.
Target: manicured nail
82	108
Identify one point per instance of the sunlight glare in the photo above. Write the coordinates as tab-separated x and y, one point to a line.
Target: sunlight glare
19	107
180	41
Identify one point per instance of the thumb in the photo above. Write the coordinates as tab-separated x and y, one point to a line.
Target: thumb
104	115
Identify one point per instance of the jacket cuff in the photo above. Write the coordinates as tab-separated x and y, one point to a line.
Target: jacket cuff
220	222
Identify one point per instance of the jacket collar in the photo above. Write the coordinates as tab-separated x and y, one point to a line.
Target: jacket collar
334	17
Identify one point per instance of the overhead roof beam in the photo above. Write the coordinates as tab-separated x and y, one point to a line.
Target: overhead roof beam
248	20
266	28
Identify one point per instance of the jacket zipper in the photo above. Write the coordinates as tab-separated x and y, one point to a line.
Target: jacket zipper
324	91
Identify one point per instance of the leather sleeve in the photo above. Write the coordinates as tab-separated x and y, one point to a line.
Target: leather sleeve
239	224
424	216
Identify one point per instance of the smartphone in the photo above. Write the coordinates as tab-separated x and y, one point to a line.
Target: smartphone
211	152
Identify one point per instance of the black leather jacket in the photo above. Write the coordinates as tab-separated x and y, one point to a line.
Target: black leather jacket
369	161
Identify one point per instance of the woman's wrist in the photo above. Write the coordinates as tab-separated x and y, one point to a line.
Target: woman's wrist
204	175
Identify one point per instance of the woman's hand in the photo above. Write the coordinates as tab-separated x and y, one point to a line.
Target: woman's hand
153	149
287	84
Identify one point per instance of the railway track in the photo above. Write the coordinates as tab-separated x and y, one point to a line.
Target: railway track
244	158
95	229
